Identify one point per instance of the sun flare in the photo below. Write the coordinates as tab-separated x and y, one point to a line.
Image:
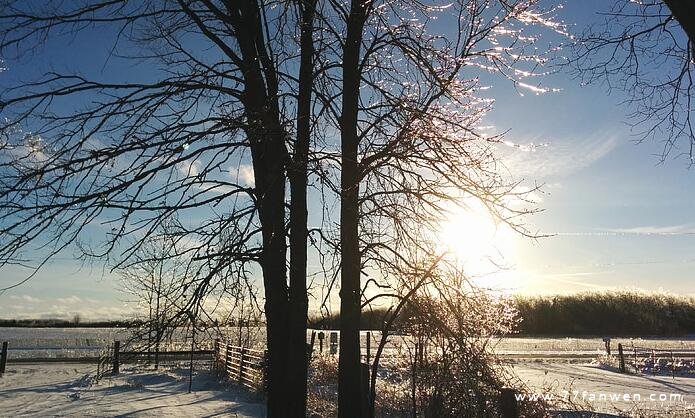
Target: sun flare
475	239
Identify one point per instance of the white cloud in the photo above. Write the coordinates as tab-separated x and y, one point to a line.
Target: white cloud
67	308
189	168
245	175
69	300
25	298
551	159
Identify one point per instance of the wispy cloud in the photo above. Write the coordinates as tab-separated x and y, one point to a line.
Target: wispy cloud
25	298
574	279
645	230
189	168
69	300
686	229
556	158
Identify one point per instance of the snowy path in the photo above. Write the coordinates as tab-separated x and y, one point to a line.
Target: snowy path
65	390
584	385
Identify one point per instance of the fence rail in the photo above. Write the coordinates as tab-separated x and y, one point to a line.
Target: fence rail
653	359
243	365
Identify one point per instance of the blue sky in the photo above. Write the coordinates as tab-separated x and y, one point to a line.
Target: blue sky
619	217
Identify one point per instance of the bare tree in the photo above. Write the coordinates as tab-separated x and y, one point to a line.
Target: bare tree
404	95
647	50
349	383
137	152
155	275
684	12
453	323
298	174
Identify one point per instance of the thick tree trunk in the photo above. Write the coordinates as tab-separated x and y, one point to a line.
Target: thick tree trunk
684	12
349	360
268	151
269	154
270	186
298	174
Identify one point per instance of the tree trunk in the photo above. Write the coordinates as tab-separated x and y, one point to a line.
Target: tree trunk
349	357
268	151
684	12
269	154
270	185
298	300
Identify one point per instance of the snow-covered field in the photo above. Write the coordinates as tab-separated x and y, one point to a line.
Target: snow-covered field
586	347
557	367
69	390
76	342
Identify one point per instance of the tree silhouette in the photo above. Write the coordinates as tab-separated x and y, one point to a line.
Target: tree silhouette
245	83
645	49
216	94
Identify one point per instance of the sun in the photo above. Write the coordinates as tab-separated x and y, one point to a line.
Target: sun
475	239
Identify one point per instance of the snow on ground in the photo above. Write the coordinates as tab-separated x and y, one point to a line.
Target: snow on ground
68	390
592	387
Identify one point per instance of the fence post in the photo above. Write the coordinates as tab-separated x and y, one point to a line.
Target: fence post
334	342
266	364
241	364
369	345
227	360
621	365
508	403
216	356
364	389
310	346
3	358
116	356
413	388
321	335
653	362
634	349
607	343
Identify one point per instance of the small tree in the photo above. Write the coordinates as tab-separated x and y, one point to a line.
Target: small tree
450	324
154	275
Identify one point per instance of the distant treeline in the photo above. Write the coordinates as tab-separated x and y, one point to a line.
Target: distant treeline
589	314
610	314
369	320
62	323
65	323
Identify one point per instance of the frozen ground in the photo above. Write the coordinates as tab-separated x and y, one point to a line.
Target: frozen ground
68	390
589	387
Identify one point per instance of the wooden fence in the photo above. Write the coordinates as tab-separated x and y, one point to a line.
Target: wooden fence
651	358
664	359
242	365
113	355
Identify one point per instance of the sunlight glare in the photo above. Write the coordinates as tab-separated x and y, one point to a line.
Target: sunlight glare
474	238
